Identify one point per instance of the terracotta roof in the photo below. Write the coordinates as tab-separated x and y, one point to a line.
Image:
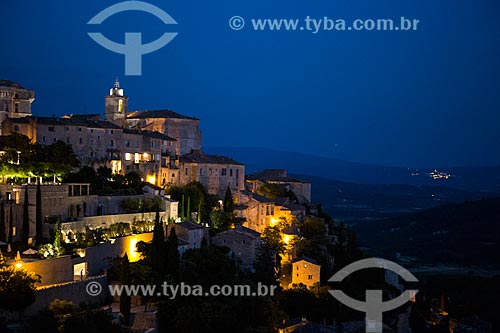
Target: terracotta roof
309	260
188	225
75	121
273	176
142	114
10	84
199	157
151	134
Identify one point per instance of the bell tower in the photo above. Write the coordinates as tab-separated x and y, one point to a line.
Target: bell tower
116	105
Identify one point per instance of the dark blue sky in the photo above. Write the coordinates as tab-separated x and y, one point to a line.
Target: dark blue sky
424	98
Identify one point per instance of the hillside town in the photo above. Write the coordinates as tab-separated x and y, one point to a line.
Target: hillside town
132	198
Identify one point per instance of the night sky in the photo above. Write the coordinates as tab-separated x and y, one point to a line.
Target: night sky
422	98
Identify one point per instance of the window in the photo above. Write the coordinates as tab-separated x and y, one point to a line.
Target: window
223	171
54	140
66	129
201	172
297	267
309	277
67	140
111	132
80	141
187	171
127	143
230	172
52	129
237	173
112	143
79	129
44	139
91	131
17	108
98	138
128	156
16	128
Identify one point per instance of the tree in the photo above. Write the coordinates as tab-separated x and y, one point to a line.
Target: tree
173	257
17	288
125	300
272	238
26	218
182	208
157	249
58	235
272	191
265	271
221	221
11	224
3	236
38	214
199	213
188	209
228	201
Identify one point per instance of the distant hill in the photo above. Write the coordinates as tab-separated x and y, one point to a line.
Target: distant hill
467	178
466	233
354	202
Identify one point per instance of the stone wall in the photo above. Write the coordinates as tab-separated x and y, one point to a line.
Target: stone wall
73	291
52	271
97	256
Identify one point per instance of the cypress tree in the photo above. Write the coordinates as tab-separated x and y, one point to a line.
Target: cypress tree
57	236
26	217
173	257
38	217
182	208
199	213
188	210
158	245
3	236
125	300
11	225
228	201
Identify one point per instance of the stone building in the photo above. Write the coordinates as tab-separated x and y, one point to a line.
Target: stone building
67	201
216	173
305	271
185	130
158	144
189	232
15	101
244	244
258	211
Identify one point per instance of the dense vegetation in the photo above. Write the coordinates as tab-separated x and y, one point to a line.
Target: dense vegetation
467	233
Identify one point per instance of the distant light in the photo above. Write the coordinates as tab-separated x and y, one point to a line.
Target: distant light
19	265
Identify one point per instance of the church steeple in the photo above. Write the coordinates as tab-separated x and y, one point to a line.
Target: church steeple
116	105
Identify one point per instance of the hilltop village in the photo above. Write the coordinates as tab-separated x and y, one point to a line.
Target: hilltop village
80	193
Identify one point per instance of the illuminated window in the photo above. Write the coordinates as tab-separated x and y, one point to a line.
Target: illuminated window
128	156
120	106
